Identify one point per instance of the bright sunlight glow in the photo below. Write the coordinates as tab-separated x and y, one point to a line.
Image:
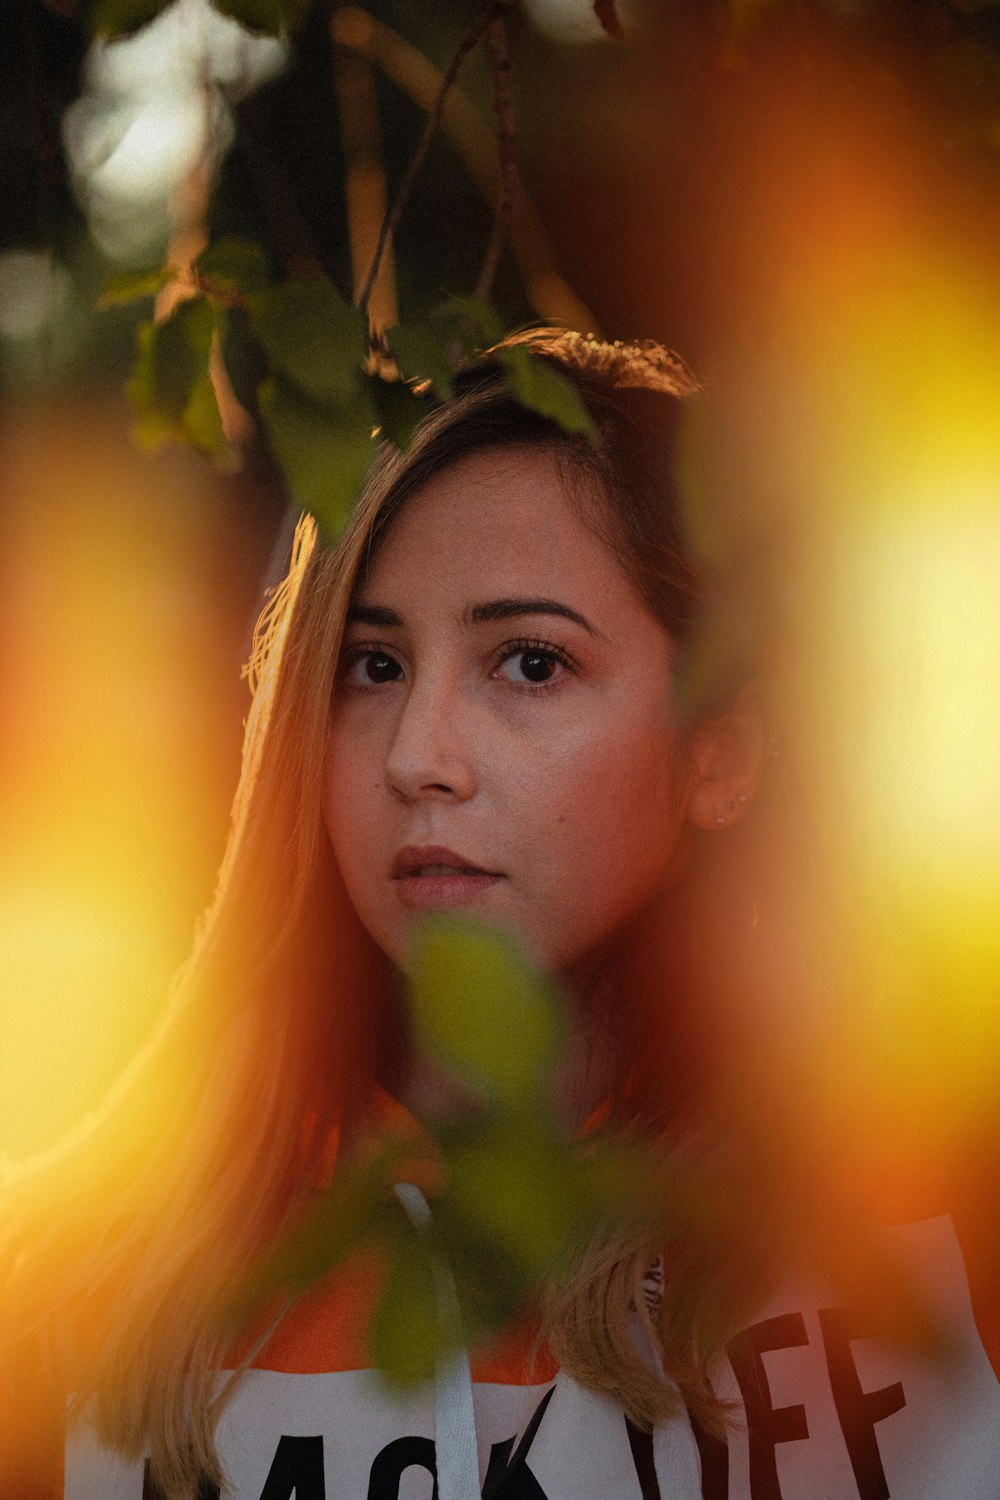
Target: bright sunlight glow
156	106
566	20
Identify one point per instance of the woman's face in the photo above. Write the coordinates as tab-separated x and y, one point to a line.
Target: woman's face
501	742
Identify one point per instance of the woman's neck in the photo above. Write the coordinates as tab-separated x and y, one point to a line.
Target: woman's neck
583	1076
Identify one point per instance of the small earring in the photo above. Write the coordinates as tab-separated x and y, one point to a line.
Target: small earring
742	799
720	820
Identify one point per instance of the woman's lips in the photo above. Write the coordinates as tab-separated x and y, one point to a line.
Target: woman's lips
427	877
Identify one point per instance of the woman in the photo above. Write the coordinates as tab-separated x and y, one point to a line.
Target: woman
470	705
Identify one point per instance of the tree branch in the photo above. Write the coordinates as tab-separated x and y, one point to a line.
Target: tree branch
395	210
509	180
475	145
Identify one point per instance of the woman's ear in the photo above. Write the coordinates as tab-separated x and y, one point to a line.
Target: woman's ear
728	755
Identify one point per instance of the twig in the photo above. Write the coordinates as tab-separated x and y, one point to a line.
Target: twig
395	210
475	145
509	183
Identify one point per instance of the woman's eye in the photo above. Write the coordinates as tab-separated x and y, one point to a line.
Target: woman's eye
371	667
533	666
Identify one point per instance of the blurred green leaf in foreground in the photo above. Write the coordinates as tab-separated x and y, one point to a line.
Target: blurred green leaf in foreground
516	1189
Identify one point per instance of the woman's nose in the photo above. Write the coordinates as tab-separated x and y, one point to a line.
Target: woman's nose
432	751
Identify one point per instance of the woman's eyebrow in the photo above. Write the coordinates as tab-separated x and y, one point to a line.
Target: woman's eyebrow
373	614
508	609
379	615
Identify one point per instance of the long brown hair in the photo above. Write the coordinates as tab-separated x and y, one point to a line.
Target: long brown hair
117	1248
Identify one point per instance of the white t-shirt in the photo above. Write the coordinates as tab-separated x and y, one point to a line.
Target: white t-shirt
826	1407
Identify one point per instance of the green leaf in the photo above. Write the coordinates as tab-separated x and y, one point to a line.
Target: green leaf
620	1179
478	1005
399	410
325	452
110	19
133	286
314	339
422	354
355	1210
242	355
473	321
269	16
491	1285
239	264
541	388
406	1333
518	1187
155	358
170	389
200	420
